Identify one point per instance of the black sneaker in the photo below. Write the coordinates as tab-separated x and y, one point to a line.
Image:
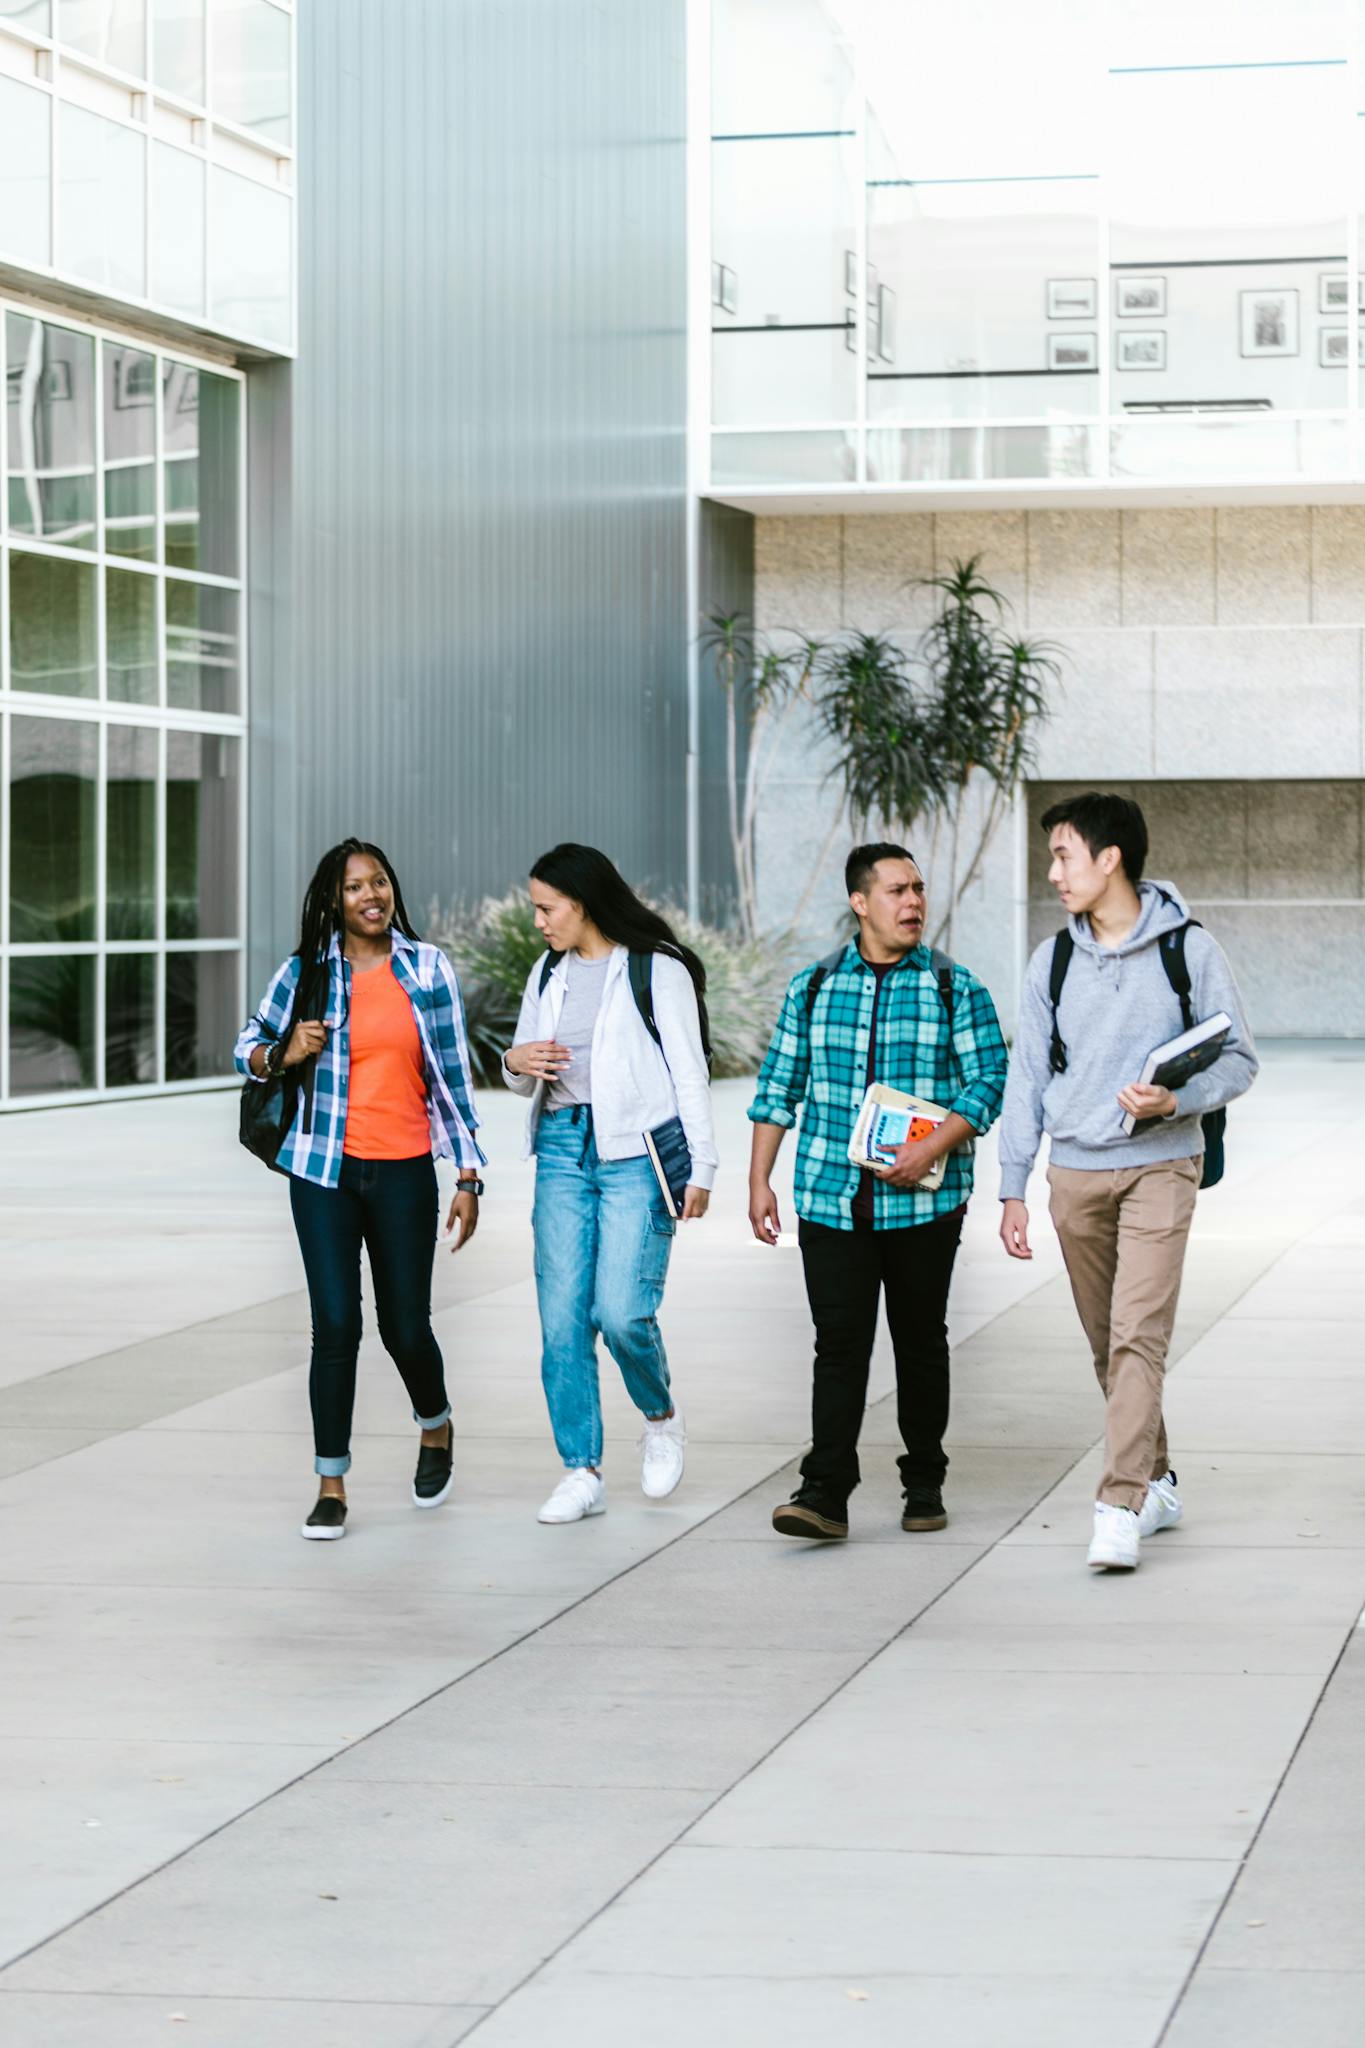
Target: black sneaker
924	1509
435	1474
327	1522
813	1515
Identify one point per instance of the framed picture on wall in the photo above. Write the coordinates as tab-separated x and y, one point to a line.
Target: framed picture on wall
729	290
851	273
1140	298
1073	352
1072	298
1140	349
886	323
1270	323
1334	347
1334	291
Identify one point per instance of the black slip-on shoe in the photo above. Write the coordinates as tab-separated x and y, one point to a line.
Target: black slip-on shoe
924	1509
435	1474
812	1516
327	1522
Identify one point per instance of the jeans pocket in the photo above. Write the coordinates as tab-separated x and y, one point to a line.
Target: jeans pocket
659	1234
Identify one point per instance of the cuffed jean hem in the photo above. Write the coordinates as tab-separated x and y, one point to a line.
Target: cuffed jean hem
332	1468
435	1421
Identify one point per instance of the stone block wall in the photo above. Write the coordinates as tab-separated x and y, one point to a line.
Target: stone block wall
1214	663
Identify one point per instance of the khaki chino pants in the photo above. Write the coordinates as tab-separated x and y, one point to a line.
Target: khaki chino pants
1123	1237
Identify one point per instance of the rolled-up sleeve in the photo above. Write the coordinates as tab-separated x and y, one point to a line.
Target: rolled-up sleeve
270	1019
980	1057
785	1074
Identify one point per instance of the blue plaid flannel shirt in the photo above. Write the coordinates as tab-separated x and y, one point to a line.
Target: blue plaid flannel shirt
428	980
816	1066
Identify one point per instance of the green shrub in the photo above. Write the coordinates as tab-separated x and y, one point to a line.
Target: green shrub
495	946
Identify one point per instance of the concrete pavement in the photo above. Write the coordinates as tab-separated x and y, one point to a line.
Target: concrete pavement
662	1773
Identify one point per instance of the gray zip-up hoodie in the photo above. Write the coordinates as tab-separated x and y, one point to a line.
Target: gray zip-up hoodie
1116	1005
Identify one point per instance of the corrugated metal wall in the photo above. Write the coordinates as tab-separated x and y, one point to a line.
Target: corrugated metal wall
488	540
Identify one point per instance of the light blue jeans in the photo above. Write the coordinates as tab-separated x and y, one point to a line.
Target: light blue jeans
603	1236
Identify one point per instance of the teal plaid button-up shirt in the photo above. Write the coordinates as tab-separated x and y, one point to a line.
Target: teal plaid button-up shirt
816	1068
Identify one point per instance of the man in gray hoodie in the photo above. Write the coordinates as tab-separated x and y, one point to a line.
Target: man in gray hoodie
1122	1206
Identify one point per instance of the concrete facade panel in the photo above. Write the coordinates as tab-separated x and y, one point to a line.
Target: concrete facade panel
1073	568
1000	538
1337	536
798	567
883	559
1102	717
1235	702
1263	564
1168	567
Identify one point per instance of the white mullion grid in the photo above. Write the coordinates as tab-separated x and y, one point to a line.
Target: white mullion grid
159	970
53	194
861	303
101	879
159	516
1105	332
209	175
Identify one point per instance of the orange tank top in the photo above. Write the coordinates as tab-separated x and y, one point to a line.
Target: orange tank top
386	1105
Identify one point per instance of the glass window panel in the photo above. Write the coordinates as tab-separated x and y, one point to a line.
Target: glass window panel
251	66
129	1020
101	203
112	31
203	836
914	455
178	252
129	451
782	375
51	1025
202	658
54	763
130	833
202	429
52	643
799	458
130	637
202	1014
249	282
178	47
31	14
25	173
50	406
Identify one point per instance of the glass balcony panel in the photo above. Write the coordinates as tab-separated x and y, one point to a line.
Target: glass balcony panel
203	1014
130	832
201	427
52	625
203	671
50	412
54	765
51	1025
178	250
249	281
797	458
178	48
251	64
1229	447
129	1020
923	455
113	32
782	375
25	173
129	451
102	203
130	637
34	15
203	836
1229	240
778	68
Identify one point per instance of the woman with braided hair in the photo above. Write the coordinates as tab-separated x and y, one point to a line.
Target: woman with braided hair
368	1022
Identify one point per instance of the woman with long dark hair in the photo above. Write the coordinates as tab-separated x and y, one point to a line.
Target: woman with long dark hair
611	1049
367	1024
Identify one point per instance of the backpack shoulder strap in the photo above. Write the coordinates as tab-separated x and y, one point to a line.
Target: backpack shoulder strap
641	970
547	968
821	972
943	973
1063	946
1173	959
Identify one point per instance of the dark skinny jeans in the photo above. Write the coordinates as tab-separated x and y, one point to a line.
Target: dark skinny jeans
846	1273
391	1207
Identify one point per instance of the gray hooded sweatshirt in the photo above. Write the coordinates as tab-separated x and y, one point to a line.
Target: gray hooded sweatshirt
1116	1005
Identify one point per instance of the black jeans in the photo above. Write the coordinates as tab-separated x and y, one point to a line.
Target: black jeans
391	1207
845	1275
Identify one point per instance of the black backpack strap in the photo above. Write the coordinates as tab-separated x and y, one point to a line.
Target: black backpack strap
1172	945
641	970
547	968
943	971
1063	946
821	972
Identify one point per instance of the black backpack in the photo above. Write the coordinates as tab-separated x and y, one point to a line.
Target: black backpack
640	968
941	964
1172	948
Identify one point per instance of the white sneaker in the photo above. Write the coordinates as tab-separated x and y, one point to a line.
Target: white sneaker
662	1448
1162	1508
578	1494
1116	1544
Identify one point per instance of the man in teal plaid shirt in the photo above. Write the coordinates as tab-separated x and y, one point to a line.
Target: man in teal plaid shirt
889	1010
